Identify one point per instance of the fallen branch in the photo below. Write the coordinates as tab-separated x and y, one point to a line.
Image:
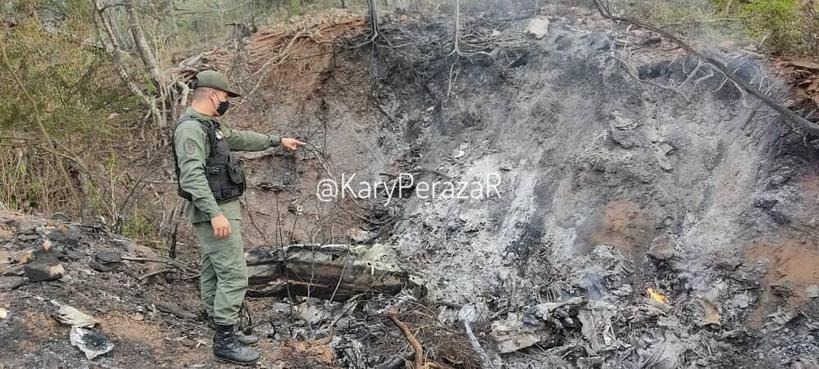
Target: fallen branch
799	122
154	273
167	261
416	346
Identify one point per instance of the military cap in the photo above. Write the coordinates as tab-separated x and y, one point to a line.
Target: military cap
214	79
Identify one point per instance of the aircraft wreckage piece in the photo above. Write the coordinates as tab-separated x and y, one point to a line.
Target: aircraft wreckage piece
325	271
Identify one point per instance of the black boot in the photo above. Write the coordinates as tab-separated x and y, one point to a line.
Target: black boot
247	339
227	348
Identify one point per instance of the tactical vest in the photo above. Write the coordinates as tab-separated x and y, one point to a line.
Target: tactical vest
224	172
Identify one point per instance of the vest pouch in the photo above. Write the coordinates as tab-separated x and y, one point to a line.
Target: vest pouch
236	174
236	171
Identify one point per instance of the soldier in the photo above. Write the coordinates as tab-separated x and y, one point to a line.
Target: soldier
212	179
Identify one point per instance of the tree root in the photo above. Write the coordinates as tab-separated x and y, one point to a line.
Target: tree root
416	346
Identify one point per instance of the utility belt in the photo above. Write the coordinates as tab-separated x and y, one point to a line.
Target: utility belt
224	172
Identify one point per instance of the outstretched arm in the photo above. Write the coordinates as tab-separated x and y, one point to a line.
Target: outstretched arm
249	141
254	141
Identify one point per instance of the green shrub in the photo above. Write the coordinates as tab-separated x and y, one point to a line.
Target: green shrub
776	22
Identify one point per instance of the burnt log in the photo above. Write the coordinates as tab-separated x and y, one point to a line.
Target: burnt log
335	272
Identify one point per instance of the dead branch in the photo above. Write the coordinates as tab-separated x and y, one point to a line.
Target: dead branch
167	261
416	346
799	122
155	273
143	49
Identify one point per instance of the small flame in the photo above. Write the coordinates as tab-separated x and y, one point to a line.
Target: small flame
657	296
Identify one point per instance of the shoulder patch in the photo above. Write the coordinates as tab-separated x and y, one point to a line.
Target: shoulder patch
190	147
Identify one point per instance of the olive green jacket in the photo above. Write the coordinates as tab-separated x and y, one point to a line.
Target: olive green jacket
192	149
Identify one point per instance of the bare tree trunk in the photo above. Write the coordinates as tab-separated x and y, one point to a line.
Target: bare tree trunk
146	54
141	43
114	49
372	8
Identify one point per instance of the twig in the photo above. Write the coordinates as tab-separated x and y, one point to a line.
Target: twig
151	274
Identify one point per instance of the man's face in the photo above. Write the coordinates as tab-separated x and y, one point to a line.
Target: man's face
218	97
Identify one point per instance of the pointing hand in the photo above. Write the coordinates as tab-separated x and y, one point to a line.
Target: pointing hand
291	144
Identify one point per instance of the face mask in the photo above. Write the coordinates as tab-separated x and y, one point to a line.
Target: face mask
222	107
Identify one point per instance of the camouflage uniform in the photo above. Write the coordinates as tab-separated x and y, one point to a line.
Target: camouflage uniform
223	279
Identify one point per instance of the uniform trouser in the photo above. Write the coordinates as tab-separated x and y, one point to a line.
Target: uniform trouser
223	276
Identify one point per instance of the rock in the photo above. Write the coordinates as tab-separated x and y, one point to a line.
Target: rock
23	257
538	27
663	151
108	257
45	266
106	261
310	314
11	282
3	314
812	291
662	248
624	138
666	148
24	226
43	271
65	236
665	164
